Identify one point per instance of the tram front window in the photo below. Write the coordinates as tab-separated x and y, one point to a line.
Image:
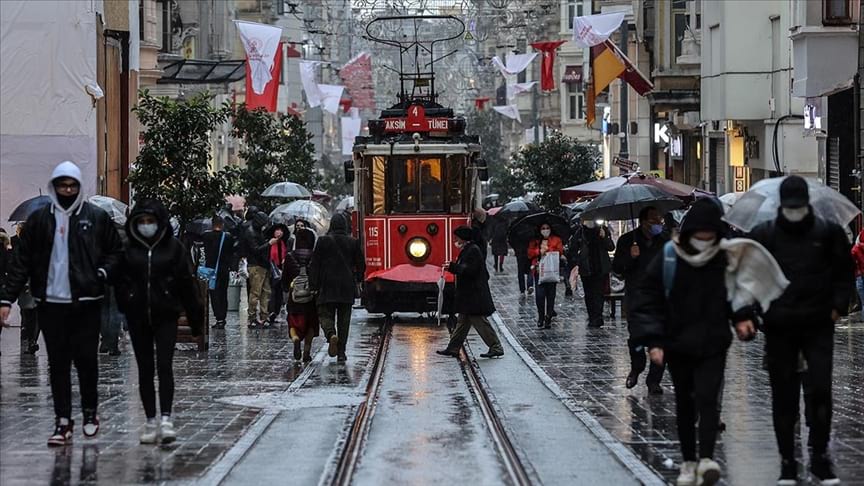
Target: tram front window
417	185
431	186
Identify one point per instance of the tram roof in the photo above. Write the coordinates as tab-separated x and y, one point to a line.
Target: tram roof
425	148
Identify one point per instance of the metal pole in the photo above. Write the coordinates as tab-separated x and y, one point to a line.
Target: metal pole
624	152
535	114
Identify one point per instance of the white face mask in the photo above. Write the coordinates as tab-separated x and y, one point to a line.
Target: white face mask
148	230
795	215
459	244
546	233
701	245
590	224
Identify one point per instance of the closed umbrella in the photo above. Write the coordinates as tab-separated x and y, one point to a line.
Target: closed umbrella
28	207
625	202
116	209
440	295
287	189
762	201
311	212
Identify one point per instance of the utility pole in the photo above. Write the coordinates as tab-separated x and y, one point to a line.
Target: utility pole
624	151
535	113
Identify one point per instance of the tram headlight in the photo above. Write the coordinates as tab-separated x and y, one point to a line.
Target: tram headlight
418	249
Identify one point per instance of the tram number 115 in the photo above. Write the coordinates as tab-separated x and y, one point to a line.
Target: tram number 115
373	232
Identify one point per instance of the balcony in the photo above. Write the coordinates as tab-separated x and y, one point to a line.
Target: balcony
825	59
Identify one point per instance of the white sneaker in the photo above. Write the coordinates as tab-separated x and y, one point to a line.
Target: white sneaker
151	432
168	433
708	472
687	476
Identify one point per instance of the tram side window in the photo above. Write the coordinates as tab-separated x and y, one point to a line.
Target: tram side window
378	184
455	177
431	186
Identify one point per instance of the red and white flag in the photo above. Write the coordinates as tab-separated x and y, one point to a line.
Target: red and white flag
263	51
356	75
547	65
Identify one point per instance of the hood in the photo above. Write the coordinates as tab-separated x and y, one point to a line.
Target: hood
286	233
338	225
304	239
153	208
66	169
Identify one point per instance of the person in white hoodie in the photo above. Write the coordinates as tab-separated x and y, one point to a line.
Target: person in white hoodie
67	253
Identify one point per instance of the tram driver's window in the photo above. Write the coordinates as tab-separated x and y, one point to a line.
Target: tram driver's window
404	185
431	185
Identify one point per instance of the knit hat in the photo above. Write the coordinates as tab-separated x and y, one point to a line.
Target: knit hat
463	232
703	215
794	192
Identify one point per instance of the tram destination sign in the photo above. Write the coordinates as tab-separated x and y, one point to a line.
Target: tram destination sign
397	125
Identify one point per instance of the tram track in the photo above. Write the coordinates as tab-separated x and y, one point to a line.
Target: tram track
353	447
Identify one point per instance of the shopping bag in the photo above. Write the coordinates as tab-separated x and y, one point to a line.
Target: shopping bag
549	268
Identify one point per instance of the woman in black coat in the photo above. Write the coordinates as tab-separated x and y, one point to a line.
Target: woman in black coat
499	242
472	299
157	291
302	317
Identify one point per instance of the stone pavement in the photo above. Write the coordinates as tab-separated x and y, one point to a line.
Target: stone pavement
592	364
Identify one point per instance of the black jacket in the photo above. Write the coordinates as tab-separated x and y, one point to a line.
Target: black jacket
157	281
94	244
211	241
337	264
633	270
593	258
255	246
696	318
478	235
815	256
499	237
472	296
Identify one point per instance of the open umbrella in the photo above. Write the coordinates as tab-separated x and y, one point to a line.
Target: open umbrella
729	199
346	204
518	208
573	193
310	211
199	226
527	228
116	209
625	202
236	202
28	207
761	202
287	189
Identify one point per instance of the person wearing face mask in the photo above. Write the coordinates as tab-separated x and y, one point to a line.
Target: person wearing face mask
472	298
69	250
594	267
693	293
157	290
635	250
545	296
279	236
815	255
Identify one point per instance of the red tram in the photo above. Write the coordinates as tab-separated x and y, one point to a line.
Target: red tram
416	178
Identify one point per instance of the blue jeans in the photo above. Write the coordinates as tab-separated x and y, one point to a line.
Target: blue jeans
859	284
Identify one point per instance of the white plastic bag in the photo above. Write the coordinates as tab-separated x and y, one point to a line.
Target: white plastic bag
549	268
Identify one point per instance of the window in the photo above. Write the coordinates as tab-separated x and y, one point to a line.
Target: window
165	26
417	185
679	19
431	185
455	177
836	12
575	103
574	9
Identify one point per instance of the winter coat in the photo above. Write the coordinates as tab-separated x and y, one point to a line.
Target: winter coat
94	251
478	235
472	296
633	270
695	319
815	256
499	237
337	264
858	256
593	258
212	240
157	282
294	260
554	244
255	246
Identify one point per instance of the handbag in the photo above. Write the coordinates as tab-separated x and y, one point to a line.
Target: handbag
549	268
209	274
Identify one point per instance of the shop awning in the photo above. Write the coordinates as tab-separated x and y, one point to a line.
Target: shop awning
195	71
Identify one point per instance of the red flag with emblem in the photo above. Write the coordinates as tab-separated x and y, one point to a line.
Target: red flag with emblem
547	64
356	76
269	97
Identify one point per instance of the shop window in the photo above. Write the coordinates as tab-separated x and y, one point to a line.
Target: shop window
575	103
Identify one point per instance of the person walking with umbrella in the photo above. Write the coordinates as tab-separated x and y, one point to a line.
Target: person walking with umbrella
302	314
547	246
472	298
815	255
594	267
278	235
635	251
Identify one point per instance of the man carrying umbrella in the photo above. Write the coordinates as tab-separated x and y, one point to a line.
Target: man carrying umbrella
814	253
635	251
594	267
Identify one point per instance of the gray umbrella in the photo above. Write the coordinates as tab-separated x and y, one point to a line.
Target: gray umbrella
116	209
625	202
309	211
346	204
287	189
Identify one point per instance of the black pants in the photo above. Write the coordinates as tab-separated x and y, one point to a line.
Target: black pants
336	319
593	286
72	336
697	387
545	298
498	261
164	335
276	298
29	327
219	297
524	272
638	362
782	354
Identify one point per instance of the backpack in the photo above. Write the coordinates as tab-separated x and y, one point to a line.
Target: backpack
670	262
300	291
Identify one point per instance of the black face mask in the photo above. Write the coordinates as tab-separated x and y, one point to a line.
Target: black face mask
66	201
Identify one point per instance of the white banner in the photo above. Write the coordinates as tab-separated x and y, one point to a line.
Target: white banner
310	86
510	111
591	30
516	63
261	43
350	129
331	95
518	88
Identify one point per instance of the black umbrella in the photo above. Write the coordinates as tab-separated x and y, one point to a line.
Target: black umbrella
528	228
199	226
625	202
28	207
518	207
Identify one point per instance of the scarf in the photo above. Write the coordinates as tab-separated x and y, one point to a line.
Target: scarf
752	273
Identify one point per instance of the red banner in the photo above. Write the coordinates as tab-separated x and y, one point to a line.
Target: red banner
547	65
269	97
356	76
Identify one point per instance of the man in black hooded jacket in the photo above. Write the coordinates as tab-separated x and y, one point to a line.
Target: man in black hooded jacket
815	256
